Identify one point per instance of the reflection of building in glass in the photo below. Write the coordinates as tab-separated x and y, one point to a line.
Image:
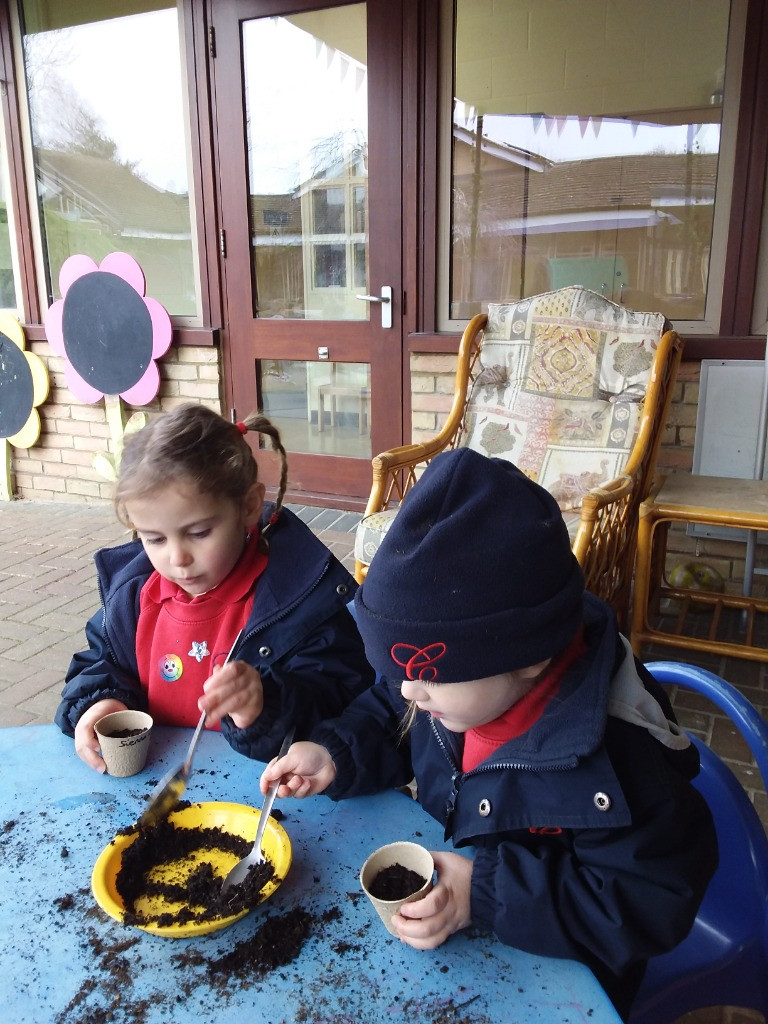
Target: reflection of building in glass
7	289
311	245
95	205
276	240
637	227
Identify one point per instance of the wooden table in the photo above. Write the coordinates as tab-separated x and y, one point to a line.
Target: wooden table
66	962
708	501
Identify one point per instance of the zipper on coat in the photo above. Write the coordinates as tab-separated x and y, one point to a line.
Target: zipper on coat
259	627
104	630
523	766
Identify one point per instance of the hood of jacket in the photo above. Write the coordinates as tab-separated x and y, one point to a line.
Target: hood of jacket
629	700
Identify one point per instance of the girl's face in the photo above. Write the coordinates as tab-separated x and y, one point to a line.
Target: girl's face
463	706
190	538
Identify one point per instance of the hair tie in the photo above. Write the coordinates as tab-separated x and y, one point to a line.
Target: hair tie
241	427
267	529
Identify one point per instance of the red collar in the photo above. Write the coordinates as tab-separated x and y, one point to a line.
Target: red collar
481	742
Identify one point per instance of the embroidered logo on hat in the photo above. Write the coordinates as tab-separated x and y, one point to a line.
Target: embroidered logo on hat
421	662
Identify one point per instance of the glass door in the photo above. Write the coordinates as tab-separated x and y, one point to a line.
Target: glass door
310	208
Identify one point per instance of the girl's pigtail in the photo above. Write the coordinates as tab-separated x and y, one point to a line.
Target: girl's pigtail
264	426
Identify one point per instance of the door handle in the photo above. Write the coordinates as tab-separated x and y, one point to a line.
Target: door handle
385	300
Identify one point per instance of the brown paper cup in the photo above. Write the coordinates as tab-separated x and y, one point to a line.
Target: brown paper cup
409	855
124	755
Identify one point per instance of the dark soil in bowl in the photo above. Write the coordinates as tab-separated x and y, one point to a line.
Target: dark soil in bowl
199	891
395	882
121	734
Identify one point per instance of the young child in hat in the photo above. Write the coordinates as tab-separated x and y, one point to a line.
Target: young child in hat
533	734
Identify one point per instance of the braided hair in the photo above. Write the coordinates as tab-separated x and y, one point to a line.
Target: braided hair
198	445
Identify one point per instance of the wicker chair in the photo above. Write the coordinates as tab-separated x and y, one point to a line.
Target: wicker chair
575	390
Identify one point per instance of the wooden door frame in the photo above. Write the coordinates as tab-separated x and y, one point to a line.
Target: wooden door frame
242	347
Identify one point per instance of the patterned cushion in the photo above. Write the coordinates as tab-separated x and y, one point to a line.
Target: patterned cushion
558	394
370	531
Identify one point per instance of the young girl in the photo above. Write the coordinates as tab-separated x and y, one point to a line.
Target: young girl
212	559
536	737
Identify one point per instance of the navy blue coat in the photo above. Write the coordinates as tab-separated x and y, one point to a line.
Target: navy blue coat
300	636
589	841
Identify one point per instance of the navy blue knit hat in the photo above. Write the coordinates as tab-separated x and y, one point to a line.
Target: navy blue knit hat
475	576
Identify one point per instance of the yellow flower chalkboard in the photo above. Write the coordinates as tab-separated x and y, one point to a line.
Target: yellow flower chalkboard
23	387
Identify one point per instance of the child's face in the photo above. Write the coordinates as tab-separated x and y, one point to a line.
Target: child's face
190	538
463	706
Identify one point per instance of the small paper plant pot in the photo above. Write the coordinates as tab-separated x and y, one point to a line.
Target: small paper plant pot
403	854
124	750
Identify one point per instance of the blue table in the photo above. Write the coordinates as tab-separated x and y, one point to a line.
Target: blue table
66	962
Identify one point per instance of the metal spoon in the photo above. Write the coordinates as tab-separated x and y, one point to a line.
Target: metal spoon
239	872
168	792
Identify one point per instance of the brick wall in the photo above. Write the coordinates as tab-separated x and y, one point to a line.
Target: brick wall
432	380
432	383
59	466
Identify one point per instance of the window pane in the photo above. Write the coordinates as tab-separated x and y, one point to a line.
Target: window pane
8	295
328	206
360	211
581	155
108	130
307	116
361	265
321	408
330	266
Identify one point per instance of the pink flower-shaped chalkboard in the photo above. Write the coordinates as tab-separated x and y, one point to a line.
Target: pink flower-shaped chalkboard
108	331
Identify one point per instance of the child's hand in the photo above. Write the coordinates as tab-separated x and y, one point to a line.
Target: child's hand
306	769
234	689
428	922
86	741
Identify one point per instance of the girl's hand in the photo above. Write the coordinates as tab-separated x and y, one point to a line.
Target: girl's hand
86	741
428	922
234	689
306	769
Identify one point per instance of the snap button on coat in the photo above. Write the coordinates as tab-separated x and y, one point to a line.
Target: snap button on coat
602	801
342	589
484	808
264	652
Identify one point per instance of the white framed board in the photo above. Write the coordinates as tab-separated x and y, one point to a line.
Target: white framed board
728	424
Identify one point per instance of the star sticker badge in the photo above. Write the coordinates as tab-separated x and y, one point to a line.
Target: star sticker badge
199	650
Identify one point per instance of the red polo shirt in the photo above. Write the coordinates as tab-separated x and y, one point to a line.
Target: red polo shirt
181	639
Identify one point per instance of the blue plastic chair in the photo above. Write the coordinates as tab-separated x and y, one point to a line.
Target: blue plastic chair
724	959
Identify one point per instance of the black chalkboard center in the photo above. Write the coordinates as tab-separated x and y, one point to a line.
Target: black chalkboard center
17	388
107	332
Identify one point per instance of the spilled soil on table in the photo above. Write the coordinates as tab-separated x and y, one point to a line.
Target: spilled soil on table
319	957
106	996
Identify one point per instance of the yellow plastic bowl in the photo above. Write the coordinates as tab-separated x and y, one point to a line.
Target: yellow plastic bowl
237	819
